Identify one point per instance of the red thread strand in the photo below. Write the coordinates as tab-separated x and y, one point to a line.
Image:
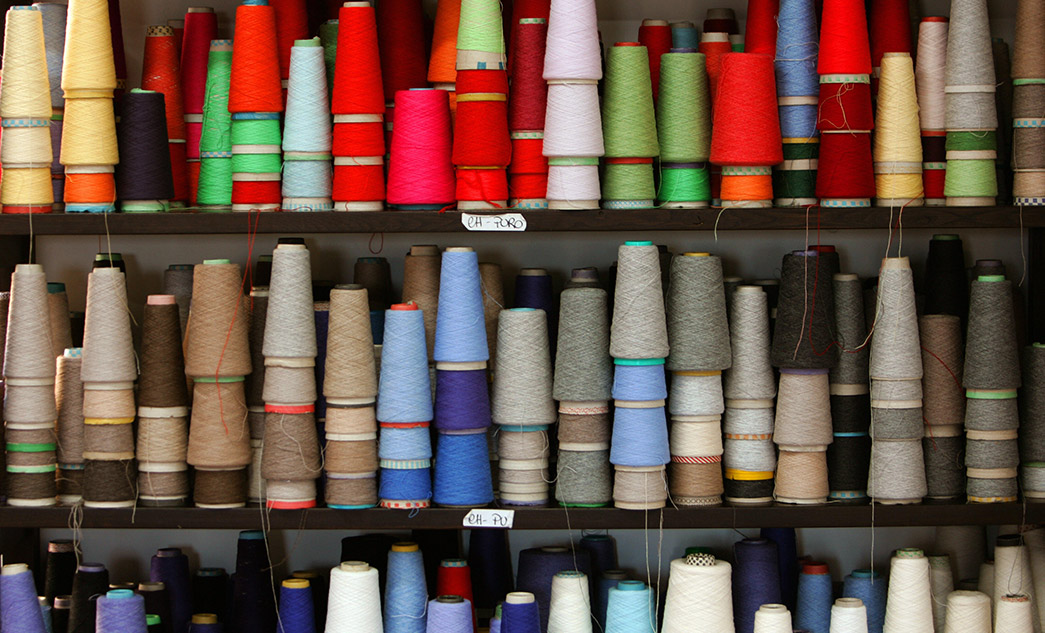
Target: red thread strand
845	107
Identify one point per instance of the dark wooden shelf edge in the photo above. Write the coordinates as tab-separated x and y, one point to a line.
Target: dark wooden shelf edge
533	518
941	218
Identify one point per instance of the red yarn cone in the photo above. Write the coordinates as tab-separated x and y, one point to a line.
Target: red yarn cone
401	37
890	29
291	24
655	35
746	129
844	46
254	85
521	9
161	73
760	30
845	166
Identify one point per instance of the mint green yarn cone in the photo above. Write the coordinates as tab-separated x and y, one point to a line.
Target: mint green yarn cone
629	126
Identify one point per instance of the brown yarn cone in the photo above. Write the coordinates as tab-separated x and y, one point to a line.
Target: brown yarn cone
28	348
216	340
351	371
421	285
108	350
1027	59
69	397
5	302
290	385
218	433
490	278
291	449
61	326
162	381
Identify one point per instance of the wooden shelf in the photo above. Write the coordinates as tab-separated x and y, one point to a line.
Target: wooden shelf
938	218
857	516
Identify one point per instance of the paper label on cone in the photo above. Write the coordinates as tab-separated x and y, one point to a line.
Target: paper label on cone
498	519
492	222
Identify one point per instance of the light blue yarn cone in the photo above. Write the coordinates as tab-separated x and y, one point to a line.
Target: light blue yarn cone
402	443
405	390
796	49
406	594
460	330
640	437
449	617
307	126
639	382
631	609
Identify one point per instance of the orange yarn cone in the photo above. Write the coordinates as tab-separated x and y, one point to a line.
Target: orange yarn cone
254	85
161	72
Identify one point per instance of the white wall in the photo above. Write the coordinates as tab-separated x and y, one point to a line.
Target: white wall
748	254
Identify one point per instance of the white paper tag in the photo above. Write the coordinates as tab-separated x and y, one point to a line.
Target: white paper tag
503	519
492	222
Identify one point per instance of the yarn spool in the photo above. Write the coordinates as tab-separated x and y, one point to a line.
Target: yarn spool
629	128
756	580
54	21
355	598
698	587
573	136
144	178
897	143
1031	420
214	189
492	284
460	330
307	170
422	141
583	371
536	576
753	123
255	102
522	389
400	34
850	412
358	107
528	172
216	342
655	35
89	78
161	73
805	314
421	286
909	590
941	583
931	89
252	585
61	567
170	567
569	605
630	607
163	411
867	586
519	612
813	610
972	118
70	433
751	376
291	25
405	411
848	615
794	181
201	26
26	112
638	329
845	117
1027	73
453	578
696	321
406	596
21	608
442	66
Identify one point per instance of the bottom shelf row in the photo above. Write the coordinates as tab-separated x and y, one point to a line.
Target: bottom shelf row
775	582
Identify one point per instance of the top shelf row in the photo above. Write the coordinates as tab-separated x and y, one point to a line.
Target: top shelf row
937	218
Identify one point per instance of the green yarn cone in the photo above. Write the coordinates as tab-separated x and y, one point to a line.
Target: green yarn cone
684	109
629	127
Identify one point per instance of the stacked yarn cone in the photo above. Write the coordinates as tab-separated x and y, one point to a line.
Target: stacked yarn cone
482	147
991	378
405	411
698	333
54	18
291	26
89	149
684	129
421	145
401	36
639	346
932	113
161	73
890	32
26	110
69	401
897	142
943	404
573	139
522	405
897	472
1032	457
421	286
528	171
719	27
58	310
583	377
745	138
350	387
442	66
794	183
850	394
306	135
290	460
749	457
255	383
655	35
629	128
1028	77
214	189
29	403
163	412
217	358
462	405
803	426
844	177
108	373
972	116
201	26
255	102
358	106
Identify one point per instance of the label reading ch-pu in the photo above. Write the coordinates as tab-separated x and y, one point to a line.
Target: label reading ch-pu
503	519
